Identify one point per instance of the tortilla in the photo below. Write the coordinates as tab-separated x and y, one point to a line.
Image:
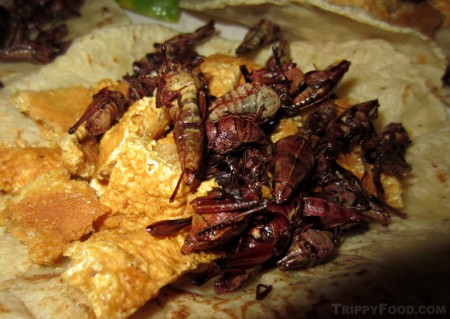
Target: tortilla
392	265
291	15
93	15
432	18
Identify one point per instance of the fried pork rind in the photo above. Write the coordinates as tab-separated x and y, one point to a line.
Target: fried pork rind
54	111
21	165
51	212
143	119
122	267
120	270
222	72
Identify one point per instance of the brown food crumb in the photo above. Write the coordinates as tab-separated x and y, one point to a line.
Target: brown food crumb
21	165
50	213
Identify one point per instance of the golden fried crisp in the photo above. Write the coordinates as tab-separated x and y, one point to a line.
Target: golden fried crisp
143	119
119	271
21	165
142	183
79	157
287	126
54	111
222	72
122	266
50	213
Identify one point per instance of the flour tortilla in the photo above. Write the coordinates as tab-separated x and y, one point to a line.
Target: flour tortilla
404	263
93	15
319	20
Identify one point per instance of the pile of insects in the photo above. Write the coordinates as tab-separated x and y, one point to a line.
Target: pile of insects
311	199
34	31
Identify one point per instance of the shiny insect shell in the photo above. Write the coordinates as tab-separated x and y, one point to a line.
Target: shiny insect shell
253	100
181	92
261	34
106	108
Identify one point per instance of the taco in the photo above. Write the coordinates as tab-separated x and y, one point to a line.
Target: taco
113	271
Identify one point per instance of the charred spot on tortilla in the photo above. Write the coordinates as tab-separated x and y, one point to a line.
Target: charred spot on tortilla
32	30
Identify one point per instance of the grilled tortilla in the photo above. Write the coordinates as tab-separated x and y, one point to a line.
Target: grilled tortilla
404	263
